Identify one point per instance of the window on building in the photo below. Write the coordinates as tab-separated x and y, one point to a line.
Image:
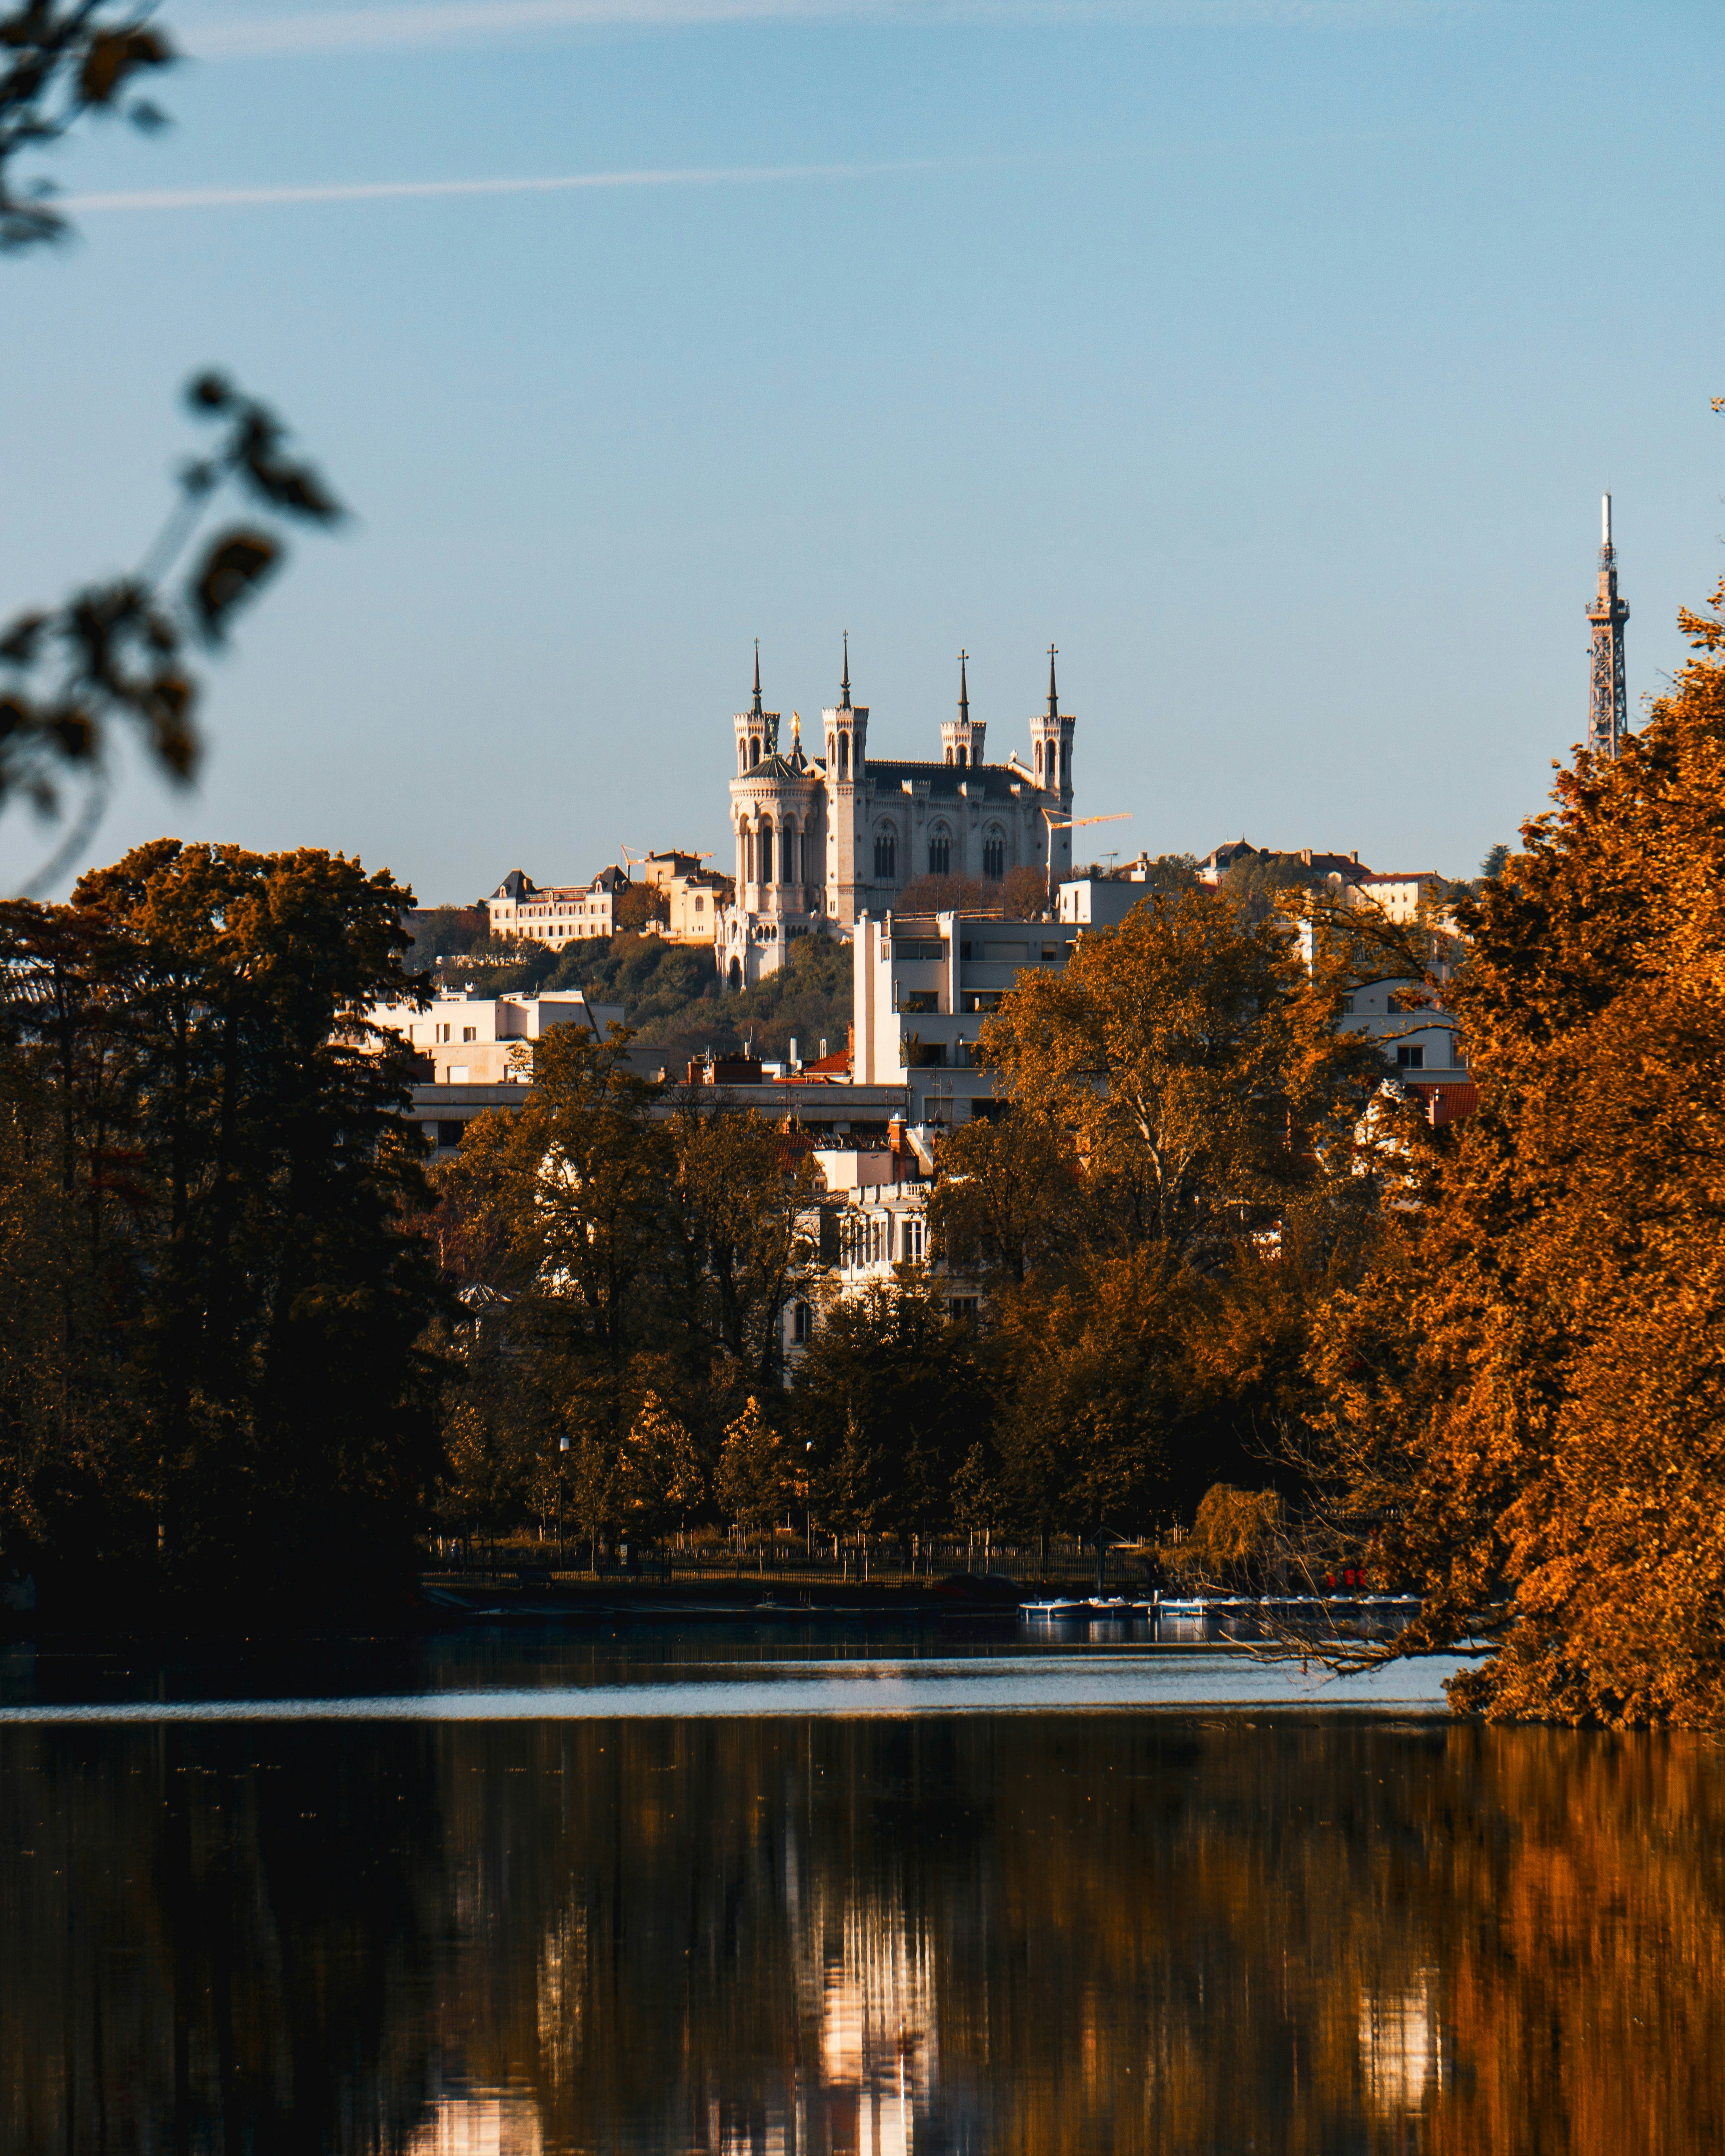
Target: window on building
963	756
994	857
843	754
1409	1056
886	857
450	1134
699	903
801	1316
470	1032
754	752
911	1242
964	1309
765	853
742	758
1347	1006
923	1001
940	855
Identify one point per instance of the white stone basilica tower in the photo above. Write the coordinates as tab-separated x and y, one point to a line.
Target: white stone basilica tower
820	842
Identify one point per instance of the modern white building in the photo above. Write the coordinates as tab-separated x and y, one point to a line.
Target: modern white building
821	840
468	1038
922	985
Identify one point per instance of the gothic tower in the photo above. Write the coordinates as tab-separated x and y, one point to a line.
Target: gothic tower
1608	704
1051	762
961	738
847	728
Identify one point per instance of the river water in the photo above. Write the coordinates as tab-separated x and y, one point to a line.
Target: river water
507	1893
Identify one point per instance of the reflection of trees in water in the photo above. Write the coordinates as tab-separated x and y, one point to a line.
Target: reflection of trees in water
215	1940
1023	1933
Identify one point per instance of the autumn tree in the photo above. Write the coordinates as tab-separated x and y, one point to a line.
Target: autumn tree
242	1392
753	1481
1007	1196
660	1472
1171	1188
1196	1062
889	1398
737	1199
1527	1390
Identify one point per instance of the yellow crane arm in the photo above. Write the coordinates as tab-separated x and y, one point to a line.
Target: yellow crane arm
1121	816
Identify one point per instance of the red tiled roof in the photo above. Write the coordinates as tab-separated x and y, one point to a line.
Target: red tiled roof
1449	1104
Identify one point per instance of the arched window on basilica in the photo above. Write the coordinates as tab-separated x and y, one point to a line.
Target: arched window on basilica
885	856
994	856
742	758
940	852
754	752
766	852
843	755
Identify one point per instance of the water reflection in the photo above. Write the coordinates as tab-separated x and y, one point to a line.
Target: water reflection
1037	1933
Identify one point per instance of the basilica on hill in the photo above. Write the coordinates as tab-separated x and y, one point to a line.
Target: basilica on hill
823	839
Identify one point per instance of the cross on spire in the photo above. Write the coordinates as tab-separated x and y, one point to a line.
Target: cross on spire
1053	700
964	689
757	712
844	685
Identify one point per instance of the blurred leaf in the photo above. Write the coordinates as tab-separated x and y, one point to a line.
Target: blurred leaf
75	734
20	643
297	487
236	563
209	393
112	56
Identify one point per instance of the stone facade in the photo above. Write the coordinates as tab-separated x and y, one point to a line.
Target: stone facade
559	913
823	840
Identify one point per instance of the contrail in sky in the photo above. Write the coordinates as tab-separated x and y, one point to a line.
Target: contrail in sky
409	24
342	190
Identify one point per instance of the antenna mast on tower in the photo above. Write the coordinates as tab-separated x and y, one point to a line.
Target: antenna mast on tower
1608	704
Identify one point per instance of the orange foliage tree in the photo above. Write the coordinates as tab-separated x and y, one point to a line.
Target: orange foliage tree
1530	1387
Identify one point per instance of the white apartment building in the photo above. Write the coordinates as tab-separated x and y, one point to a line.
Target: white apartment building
1418	1038
519	909
880	1223
922	986
1101	901
1404	895
468	1038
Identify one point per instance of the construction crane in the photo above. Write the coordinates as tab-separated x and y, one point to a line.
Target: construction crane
1072	823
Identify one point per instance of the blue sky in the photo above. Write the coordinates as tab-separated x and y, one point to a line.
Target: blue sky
1270	359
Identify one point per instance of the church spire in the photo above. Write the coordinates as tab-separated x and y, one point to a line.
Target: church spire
1054	696
757	712
844	685
964	691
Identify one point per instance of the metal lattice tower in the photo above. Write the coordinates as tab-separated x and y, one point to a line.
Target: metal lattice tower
1608	704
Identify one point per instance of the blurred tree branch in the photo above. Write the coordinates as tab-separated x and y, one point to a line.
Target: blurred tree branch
59	63
115	652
